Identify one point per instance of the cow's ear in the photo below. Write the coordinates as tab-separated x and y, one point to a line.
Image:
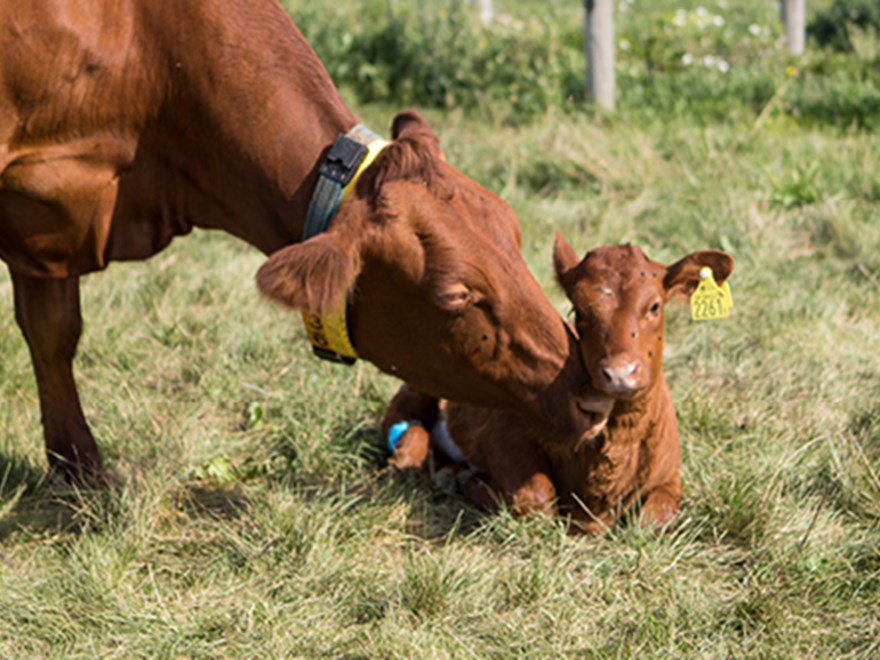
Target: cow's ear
565	260
684	275
315	275
408	120
411	124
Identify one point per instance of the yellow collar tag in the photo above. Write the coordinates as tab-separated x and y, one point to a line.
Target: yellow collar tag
328	333
710	301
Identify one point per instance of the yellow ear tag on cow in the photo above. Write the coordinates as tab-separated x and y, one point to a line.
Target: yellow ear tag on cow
710	301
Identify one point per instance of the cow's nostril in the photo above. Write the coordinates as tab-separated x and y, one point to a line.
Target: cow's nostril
607	375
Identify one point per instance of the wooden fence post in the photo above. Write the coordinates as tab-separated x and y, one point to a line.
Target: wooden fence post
599	51
794	17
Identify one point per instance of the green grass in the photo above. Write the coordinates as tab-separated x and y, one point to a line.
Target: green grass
253	515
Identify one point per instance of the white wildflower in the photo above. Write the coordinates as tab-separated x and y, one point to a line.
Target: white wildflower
754	30
701	12
723	66
623	44
709	61
718	21
687	59
679	19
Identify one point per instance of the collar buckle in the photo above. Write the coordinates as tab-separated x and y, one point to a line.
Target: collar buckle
342	160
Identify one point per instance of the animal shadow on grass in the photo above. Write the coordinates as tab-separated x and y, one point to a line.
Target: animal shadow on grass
357	445
34	503
217	502
438	508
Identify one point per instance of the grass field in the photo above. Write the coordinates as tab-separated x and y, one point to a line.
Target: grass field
253	515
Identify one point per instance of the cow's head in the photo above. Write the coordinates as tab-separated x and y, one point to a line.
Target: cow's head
428	263
618	296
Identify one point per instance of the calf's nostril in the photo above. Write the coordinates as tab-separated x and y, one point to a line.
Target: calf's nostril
619	377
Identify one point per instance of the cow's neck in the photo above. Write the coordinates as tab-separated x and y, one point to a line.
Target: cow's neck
259	112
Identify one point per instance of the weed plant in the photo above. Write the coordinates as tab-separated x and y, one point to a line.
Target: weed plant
253	515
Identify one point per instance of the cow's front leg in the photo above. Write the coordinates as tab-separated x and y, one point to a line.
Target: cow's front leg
48	313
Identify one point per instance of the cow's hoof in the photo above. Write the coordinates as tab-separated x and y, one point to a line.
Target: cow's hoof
89	474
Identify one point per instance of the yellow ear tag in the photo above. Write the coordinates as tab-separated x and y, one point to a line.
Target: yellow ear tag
710	301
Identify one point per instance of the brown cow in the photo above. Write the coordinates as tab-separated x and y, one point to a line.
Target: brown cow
633	455
124	124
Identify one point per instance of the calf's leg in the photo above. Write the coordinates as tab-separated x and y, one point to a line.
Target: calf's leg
660	505
412	449
525	493
517	469
535	495
410	405
48	313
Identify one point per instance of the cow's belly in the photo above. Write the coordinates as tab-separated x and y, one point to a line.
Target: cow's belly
55	208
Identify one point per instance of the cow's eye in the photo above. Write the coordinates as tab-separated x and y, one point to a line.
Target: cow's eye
655	308
456	298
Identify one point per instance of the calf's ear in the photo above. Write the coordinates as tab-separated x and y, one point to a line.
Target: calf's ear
684	275
565	260
315	275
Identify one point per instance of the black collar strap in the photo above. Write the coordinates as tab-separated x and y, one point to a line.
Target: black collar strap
350	155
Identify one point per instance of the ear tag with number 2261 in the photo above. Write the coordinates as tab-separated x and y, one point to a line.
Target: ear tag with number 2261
710	301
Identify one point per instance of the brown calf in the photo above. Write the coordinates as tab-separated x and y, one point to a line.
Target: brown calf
632	454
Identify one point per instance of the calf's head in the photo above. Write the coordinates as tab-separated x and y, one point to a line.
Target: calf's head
618	295
428	264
